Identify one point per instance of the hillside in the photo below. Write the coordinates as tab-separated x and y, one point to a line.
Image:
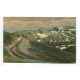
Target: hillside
48	45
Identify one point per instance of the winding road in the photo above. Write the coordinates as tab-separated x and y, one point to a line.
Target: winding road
20	51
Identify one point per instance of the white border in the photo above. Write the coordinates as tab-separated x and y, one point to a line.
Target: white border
1	40
78	40
35	8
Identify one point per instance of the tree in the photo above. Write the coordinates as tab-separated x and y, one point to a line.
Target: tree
7	38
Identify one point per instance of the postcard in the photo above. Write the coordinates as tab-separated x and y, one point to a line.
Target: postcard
39	40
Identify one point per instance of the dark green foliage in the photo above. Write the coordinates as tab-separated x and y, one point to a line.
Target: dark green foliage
7	38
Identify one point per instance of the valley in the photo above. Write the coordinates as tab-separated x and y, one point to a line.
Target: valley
43	45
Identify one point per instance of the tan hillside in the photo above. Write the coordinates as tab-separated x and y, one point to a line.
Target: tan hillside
13	23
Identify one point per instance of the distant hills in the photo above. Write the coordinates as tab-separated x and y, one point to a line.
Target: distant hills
12	24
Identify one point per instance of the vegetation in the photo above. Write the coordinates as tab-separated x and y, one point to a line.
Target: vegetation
56	44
